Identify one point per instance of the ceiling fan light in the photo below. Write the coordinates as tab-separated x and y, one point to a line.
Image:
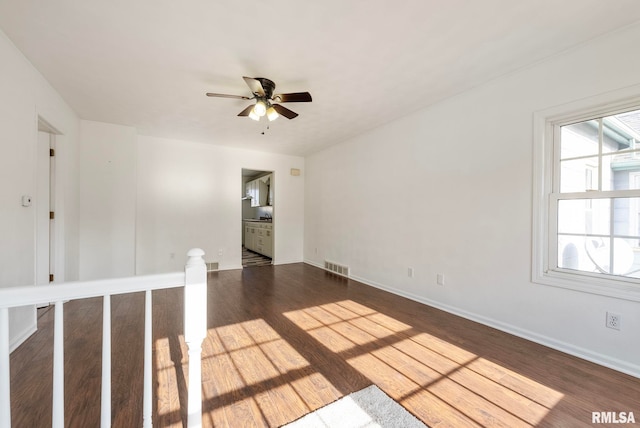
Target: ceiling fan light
253	116
260	109
272	114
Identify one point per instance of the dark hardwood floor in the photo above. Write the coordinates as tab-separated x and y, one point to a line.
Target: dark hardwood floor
285	340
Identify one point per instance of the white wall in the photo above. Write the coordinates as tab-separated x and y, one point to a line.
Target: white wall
107	200
449	190
26	95
188	196
145	201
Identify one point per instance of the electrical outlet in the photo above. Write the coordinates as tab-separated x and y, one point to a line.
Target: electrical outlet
613	321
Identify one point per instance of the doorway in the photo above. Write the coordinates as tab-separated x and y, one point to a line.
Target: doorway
258	206
47	225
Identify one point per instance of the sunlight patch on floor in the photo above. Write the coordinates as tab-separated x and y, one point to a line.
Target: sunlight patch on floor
249	369
427	374
249	365
345	325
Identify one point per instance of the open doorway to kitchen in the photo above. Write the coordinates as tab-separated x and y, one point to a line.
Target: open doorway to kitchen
257	217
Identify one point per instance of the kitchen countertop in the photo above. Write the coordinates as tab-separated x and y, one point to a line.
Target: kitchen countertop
255	220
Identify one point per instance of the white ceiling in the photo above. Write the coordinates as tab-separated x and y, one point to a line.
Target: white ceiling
149	63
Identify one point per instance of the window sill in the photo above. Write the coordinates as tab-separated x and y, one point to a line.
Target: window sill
592	284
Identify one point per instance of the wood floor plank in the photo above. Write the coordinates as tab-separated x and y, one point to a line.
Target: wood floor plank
285	340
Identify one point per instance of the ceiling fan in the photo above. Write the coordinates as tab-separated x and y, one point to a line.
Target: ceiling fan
262	89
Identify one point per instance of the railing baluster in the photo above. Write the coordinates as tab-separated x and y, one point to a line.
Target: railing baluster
147	403
194	279
195	330
57	417
5	373
105	398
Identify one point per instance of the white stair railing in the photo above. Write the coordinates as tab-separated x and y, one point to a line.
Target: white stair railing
194	281
5	382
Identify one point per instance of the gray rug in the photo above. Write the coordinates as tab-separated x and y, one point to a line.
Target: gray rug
367	408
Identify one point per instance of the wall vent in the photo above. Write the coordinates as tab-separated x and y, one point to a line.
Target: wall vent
336	268
212	267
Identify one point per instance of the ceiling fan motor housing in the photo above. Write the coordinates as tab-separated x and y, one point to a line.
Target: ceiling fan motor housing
267	85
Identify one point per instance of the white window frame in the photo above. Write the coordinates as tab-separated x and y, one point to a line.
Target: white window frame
544	256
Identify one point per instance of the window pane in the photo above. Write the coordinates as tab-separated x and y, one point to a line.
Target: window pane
621	171
572	254
620	131
626	257
599	251
594	254
584	216
579	139
626	216
615	136
579	175
621	168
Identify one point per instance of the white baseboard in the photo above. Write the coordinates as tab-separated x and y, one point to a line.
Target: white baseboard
586	354
288	262
21	337
229	267
318	265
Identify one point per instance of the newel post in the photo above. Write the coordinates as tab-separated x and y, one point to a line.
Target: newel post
195	330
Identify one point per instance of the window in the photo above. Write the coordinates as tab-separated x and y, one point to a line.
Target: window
587	199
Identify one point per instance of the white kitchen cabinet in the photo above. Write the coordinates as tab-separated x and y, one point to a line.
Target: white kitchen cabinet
259	237
270	200
263	193
266	239
250	236
267	188
258	191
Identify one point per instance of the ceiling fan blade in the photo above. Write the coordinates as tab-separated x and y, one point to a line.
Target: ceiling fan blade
246	111
294	97
240	97
283	111
255	86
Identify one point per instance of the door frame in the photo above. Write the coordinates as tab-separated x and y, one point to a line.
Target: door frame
55	238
